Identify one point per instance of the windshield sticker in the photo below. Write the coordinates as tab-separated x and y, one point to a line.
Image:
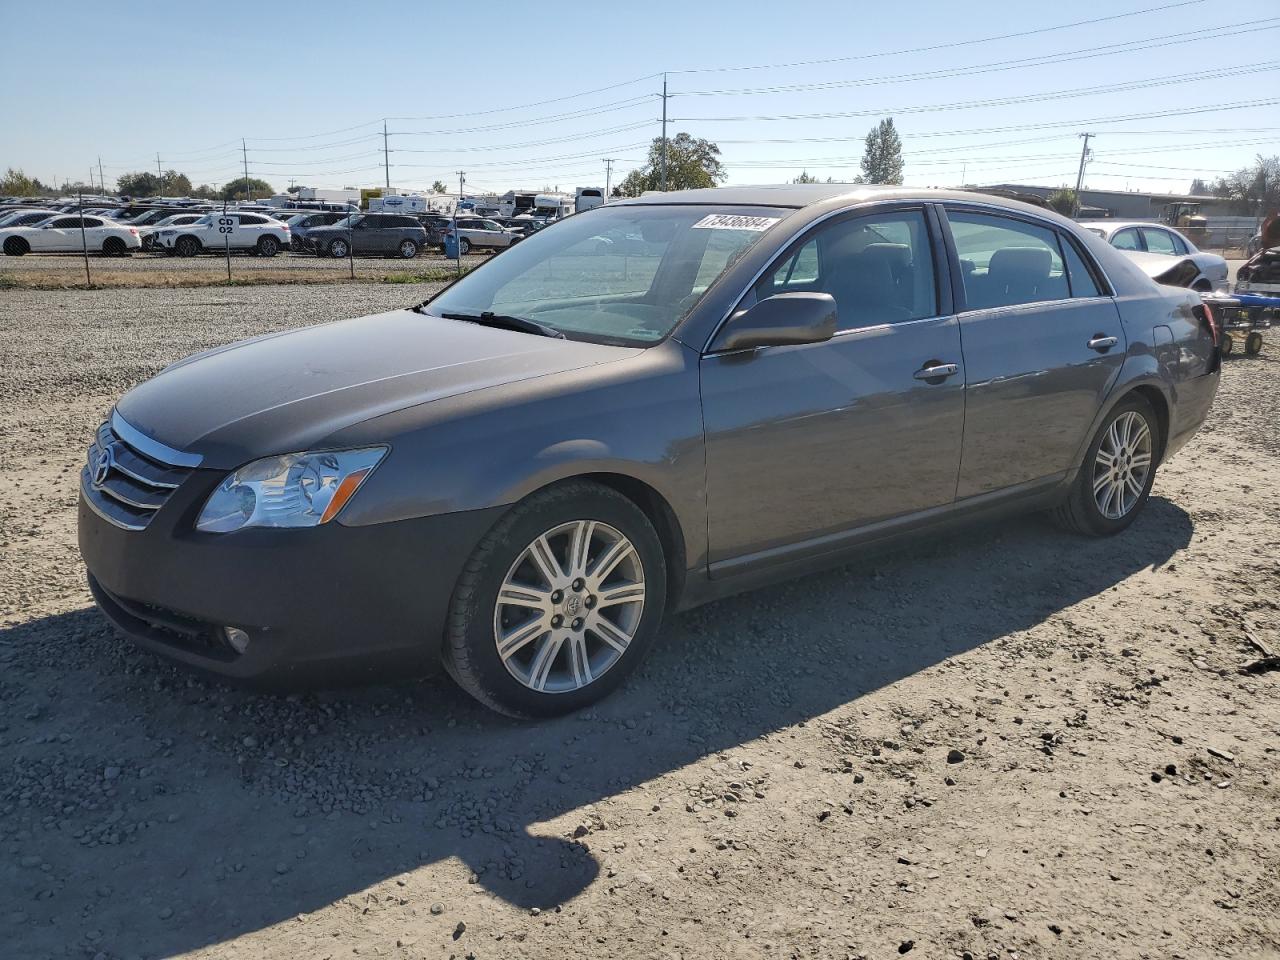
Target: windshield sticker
728	221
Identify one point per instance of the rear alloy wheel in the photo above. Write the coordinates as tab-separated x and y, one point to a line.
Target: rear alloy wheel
339	249
558	603
1115	480
16	247
464	247
187	246
1253	343
268	246
408	249
113	247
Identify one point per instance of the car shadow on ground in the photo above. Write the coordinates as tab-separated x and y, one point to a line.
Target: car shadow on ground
201	813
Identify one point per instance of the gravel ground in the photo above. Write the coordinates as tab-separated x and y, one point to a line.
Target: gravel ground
70	267
1014	743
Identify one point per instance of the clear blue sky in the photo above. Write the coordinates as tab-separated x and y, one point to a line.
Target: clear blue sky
309	84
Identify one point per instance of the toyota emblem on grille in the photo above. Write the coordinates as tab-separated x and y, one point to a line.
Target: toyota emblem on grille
102	468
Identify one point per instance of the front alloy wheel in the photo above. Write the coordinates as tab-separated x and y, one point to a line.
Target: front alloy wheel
558	603
569	606
339	249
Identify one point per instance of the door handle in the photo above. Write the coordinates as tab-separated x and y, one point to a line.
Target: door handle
937	371
1102	343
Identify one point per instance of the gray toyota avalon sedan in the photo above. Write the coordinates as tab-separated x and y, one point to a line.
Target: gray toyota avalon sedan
647	406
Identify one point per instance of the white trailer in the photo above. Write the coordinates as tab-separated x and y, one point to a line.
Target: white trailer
329	196
588	197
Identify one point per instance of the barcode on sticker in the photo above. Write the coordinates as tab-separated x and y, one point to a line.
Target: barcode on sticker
729	221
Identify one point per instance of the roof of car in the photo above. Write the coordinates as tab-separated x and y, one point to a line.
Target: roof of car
799	195
1117	224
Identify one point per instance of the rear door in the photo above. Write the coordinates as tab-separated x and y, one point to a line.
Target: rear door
805	443
1043	345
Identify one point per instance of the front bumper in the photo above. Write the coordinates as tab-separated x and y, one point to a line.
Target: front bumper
325	605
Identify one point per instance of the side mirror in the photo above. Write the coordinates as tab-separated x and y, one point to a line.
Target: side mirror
784	318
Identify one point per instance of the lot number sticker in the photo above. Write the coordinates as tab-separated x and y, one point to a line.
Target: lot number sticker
226	224
728	221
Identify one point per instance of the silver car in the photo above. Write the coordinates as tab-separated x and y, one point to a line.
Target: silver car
479	233
1165	241
518	479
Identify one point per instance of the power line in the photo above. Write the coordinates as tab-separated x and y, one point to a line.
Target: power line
944	46
1125	87
1001	66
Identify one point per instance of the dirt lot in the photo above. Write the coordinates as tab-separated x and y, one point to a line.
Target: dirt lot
1014	743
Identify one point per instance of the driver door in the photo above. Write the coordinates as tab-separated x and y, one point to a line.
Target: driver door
57	236
807	443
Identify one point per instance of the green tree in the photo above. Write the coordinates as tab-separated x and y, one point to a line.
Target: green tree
439	187
204	192
246	188
1064	201
805	177
1198	188
1254	189
15	183
141	184
691	163
882	156
175	184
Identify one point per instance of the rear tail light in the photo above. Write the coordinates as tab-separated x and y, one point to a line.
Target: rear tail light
134	231
1205	315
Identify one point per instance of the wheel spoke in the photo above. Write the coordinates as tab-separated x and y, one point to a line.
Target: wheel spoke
515	640
579	660
515	595
620	593
609	560
1100	481
580	547
1140	461
1105	458
542	663
1134	486
545	560
610	633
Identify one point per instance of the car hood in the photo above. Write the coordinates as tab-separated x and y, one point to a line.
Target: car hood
288	392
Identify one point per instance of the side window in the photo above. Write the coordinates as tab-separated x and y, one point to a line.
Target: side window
1180	245
799	272
249	220
92	222
62	223
1127	240
879	269
1004	262
1158	241
1083	283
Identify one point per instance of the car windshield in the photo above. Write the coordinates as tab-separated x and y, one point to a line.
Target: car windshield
349	221
617	274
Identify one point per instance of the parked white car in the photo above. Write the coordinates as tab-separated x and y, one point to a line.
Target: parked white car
215	231
1157	238
25	217
148	233
63	234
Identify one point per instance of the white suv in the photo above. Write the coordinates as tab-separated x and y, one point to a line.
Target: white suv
215	231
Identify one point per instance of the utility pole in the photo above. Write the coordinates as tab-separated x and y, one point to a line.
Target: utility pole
101	179
159	172
462	179
386	156
608	175
1084	156
244	152
664	131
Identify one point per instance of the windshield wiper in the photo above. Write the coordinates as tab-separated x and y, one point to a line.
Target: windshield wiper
507	322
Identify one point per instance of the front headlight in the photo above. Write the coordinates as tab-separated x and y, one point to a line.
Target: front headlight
295	490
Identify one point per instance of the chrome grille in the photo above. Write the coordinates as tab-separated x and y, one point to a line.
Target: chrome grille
128	477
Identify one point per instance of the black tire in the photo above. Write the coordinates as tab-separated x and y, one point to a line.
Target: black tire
1080	512
470	652
186	246
464	246
1227	345
113	247
267	246
408	249
337	243
1253	343
16	247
